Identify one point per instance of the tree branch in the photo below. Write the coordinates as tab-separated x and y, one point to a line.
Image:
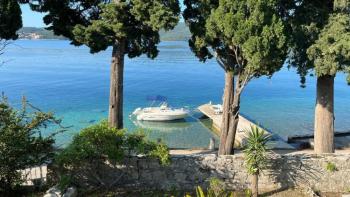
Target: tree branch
247	78
221	61
3	45
236	51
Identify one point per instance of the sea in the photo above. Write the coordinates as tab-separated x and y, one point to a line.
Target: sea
74	84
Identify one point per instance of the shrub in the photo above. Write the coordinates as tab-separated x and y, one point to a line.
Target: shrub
330	167
216	189
21	142
97	152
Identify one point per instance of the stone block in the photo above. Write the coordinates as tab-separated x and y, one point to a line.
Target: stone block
70	192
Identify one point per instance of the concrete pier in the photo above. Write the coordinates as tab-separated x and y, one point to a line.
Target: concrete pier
243	125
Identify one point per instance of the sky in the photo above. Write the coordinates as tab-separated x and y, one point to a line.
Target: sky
35	19
30	18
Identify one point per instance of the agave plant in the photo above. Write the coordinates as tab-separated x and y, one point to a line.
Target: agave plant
256	154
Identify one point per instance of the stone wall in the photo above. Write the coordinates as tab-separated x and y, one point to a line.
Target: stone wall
285	171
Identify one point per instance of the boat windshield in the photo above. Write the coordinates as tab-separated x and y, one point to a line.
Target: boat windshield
161	100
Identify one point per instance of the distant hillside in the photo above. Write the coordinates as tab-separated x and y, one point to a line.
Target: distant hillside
179	33
37	33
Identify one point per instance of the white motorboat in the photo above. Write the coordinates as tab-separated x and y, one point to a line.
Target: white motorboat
161	113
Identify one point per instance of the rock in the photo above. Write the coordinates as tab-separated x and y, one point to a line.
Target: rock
50	195
70	192
310	192
53	192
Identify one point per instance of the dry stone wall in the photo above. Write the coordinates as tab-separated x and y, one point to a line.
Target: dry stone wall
284	171
185	172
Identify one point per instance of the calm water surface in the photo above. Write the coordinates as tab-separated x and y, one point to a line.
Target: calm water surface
74	84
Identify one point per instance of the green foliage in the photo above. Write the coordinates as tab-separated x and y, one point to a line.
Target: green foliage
99	24
161	152
348	190
331	51
99	144
248	36
320	36
258	32
248	192
179	33
199	192
255	150
10	19
102	142
21	142
216	189
331	167
64	182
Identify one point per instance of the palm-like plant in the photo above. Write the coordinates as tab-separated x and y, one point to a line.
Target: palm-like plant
216	189
256	156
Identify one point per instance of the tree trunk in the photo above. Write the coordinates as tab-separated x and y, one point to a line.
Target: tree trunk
227	100
115	116
234	118
324	115
255	185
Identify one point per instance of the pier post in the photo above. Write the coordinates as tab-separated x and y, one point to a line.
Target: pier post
211	144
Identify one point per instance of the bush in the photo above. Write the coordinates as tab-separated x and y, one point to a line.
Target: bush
21	142
95	155
331	167
216	189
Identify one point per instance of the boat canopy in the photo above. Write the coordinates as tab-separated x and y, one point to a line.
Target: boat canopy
157	98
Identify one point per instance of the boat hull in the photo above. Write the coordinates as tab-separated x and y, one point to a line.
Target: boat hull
160	117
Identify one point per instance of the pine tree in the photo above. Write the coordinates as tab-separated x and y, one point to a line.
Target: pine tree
248	40
320	41
131	27
10	22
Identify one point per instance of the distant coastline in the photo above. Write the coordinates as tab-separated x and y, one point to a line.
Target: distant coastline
37	33
179	33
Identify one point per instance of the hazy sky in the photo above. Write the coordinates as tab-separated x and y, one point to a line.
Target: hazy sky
35	19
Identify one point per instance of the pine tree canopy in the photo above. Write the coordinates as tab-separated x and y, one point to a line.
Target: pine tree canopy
10	19
320	37
99	24
247	33
331	51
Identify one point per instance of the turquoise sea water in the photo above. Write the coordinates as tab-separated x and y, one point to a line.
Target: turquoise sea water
74	84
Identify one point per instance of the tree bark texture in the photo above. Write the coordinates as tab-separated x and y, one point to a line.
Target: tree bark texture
255	188
115	116
234	118
324	115
227	100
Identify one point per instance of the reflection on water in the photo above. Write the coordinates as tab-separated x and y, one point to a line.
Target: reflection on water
185	133
167	126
